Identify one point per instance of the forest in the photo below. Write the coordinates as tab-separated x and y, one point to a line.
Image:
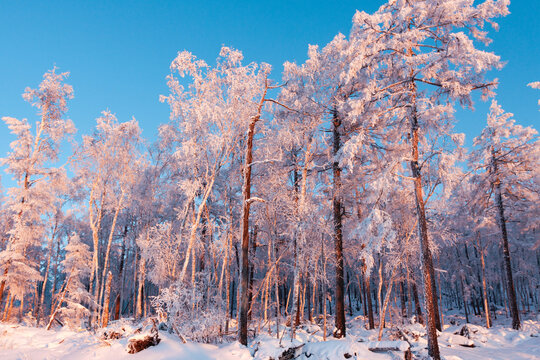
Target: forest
335	198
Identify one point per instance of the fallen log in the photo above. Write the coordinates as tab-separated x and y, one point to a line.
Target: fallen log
385	346
144	340
291	353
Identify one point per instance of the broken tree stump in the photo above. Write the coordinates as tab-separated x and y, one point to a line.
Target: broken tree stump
144	340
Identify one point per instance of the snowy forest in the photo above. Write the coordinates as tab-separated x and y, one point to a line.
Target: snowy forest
332	201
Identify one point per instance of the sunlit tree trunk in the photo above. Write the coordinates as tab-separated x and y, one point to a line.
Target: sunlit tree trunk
428	271
484	286
109	243
106	300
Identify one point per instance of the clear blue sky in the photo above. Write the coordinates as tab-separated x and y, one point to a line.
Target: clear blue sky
118	52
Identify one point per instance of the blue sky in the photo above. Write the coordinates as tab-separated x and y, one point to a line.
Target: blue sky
118	52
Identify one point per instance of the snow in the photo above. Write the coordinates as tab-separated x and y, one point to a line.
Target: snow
497	343
400	345
22	342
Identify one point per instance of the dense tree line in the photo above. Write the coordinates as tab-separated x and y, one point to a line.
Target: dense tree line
342	188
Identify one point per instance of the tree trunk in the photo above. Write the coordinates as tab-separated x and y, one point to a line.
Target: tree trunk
385	304
106	300
338	236
379	292
95	225
244	269
252	272
3	283
367	287
463	295
308	297
246	202
506	252
59	303
109	243
195	223
484	286
403	300
349	294
119	296
39	309
430	292
139	305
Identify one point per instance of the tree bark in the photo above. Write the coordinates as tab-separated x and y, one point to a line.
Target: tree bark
59	303
244	270
385	304
246	202
106	298
338	235
367	288
109	243
484	286
430	291
506	251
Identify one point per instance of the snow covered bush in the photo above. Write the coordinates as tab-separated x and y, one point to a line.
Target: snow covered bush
194	311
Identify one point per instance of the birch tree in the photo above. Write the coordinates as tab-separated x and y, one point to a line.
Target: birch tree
109	162
39	183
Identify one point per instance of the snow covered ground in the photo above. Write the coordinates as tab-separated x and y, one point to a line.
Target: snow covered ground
499	342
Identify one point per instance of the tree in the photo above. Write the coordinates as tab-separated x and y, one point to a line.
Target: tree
426	63
219	110
76	298
505	158
38	183
319	90
107	169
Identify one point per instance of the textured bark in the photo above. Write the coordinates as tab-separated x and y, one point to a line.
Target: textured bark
324	291
463	297
140	291
105	314
296	271
367	288
349	294
385	304
252	271
428	271
95	225
138	343
430	296
109	243
39	308
195	223
58	304
7	308
484	285
244	268
403	299
338	235
120	279
308	298
246	201
3	284
506	252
